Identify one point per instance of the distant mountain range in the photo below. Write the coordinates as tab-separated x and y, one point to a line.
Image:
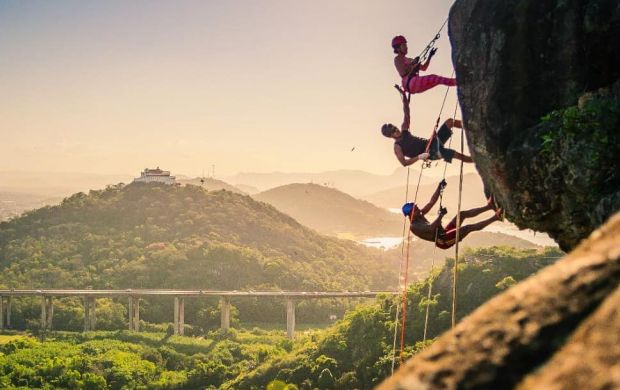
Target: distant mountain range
335	213
473	193
331	211
320	203
56	184
355	183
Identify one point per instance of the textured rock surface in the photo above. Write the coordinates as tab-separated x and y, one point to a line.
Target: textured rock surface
516	61
518	331
590	359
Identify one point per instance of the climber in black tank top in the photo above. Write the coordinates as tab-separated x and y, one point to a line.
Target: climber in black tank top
409	148
410	145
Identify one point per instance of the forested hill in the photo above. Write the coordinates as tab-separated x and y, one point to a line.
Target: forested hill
149	235
331	211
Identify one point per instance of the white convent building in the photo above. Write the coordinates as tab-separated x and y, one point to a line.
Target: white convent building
155	176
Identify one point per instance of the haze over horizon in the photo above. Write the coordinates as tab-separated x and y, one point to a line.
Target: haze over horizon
114	87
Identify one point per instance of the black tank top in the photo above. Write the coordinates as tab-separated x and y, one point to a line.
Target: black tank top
411	145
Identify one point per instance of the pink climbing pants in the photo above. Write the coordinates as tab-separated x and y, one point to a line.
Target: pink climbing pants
419	84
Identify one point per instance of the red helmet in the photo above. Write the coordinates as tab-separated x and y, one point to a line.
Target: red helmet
397	40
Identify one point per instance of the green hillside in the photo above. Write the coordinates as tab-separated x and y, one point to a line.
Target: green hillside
158	236
331	211
354	353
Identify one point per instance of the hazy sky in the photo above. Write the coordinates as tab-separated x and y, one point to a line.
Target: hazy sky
261	86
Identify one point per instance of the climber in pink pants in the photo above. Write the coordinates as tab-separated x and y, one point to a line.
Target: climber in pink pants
409	68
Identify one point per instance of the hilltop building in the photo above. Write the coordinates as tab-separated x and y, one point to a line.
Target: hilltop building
155	176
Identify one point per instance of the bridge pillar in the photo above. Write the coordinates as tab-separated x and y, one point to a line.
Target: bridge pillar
1	312
182	316
86	314
225	312
290	318
90	318
176	315
50	312
179	316
93	317
43	313
130	313
136	315
8	311
133	314
47	312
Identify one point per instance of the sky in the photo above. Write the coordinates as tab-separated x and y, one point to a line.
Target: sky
112	87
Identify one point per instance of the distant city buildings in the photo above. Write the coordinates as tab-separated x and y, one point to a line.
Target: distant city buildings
155	176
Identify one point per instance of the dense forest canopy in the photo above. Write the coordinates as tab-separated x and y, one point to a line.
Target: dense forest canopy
356	352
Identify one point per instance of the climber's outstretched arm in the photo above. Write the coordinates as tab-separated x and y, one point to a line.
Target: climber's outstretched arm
432	201
406	110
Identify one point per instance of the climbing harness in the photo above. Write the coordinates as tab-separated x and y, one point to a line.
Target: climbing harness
433	136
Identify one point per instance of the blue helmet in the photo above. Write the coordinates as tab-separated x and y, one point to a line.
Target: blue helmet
408	208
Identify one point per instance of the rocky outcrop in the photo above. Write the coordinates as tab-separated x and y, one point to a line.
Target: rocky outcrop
539	90
517	332
539	86
590	359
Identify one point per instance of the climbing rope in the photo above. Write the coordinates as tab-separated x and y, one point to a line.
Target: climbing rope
430	278
424	53
405	255
400	275
458	231
404	302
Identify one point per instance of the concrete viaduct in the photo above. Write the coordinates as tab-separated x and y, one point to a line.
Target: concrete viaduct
89	298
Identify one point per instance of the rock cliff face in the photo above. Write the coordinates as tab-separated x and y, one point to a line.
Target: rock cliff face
540	93
539	86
